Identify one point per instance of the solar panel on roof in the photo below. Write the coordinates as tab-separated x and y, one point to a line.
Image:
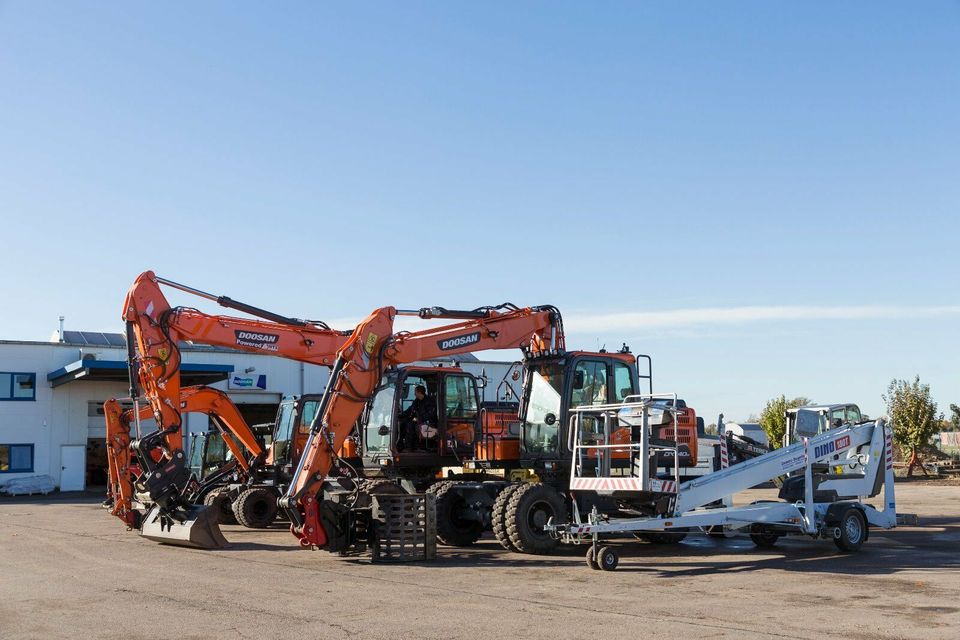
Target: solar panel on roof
94	338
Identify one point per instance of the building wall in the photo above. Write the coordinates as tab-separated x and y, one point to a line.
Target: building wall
59	416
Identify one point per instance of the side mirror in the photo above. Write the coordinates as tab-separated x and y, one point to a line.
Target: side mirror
384	430
549	419
578	380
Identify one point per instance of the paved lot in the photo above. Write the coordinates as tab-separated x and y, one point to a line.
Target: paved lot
69	570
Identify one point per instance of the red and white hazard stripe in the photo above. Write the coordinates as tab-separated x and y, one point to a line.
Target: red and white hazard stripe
889	446
621	484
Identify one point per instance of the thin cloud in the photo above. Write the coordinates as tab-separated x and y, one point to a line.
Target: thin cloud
587	322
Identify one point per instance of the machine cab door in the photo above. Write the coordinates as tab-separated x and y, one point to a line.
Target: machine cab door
460	409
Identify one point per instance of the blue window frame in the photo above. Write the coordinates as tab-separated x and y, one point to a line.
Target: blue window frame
16	458
17	386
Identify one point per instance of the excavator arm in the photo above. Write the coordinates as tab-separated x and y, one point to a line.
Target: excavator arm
155	331
371	350
198	399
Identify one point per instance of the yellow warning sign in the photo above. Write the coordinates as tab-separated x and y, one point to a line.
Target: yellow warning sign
370	343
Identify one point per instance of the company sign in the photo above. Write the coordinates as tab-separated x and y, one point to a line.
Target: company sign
834	446
459	342
257	340
240	382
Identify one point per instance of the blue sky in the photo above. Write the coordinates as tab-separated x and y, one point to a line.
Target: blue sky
672	176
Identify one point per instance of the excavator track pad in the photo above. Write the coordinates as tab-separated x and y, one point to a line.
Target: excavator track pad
198	527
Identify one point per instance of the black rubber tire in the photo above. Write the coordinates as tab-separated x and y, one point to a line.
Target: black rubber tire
664	537
529	509
764	540
498	517
451	530
853	531
380	486
219	499
256	508
607	558
591	560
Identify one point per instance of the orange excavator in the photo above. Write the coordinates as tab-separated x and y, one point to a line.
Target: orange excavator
160	474
329	520
514	477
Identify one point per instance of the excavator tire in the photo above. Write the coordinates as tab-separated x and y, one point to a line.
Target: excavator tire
256	508
220	499
498	516
379	486
453	530
529	509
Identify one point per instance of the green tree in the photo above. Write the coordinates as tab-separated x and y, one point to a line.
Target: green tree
913	414
773	418
955	417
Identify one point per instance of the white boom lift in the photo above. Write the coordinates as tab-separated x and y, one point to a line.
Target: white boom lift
858	458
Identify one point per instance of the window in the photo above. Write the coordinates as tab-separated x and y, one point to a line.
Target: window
622	382
16	458
18	386
589	384
381	416
460	398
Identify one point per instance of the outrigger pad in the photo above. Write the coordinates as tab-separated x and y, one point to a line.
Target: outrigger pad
196	527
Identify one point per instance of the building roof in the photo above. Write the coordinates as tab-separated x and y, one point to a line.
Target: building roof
116	371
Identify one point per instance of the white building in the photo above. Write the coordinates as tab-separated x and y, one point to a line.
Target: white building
52	394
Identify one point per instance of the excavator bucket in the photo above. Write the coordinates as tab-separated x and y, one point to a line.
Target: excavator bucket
197	527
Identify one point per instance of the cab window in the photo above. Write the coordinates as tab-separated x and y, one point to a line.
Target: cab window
308	413
589	383
381	415
837	418
622	382
853	415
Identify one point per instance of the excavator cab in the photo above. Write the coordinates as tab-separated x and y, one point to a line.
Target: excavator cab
401	434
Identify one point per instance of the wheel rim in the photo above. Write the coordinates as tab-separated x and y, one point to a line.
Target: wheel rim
538	516
853	529
609	560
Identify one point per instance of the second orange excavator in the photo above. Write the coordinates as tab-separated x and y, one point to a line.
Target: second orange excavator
160	478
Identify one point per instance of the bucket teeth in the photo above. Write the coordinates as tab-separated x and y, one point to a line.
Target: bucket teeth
198	527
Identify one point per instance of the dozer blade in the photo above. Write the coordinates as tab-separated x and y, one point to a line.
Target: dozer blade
199	529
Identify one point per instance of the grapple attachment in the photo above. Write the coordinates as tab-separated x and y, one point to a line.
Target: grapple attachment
197	526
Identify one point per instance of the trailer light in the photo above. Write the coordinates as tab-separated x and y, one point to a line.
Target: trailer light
792	520
667	524
384	462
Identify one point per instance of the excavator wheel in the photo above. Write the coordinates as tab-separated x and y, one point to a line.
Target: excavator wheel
452	529
220	499
379	486
256	508
531	506
499	517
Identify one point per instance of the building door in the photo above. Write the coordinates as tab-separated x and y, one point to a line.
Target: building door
73	467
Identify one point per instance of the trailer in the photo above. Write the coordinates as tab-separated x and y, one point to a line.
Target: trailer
858	460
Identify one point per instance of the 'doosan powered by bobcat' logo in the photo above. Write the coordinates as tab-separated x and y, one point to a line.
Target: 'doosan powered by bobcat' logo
257	340
459	341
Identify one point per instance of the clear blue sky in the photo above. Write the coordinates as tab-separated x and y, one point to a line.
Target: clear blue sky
688	168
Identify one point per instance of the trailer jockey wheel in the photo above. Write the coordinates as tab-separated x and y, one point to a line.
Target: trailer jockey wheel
607	558
591	559
853	530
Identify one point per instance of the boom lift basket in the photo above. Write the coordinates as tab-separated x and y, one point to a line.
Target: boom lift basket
404	527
